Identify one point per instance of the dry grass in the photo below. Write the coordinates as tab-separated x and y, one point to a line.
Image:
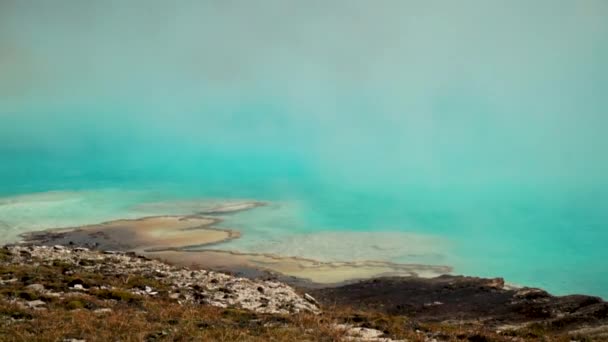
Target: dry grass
137	318
161	320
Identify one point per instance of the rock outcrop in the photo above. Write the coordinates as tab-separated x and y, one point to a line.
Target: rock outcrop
469	299
181	284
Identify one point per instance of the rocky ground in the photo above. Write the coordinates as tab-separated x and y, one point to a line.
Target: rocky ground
38	280
181	284
59	293
475	301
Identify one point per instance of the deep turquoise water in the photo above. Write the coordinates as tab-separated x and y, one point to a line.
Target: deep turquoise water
471	134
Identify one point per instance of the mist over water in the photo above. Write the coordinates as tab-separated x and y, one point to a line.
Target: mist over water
481	123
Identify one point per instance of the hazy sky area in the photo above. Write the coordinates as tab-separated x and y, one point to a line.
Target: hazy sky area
421	92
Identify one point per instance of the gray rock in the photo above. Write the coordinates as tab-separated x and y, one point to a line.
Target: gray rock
310	299
8	281
187	286
359	334
35	287
35	303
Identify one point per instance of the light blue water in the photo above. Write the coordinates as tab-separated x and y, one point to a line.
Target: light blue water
470	134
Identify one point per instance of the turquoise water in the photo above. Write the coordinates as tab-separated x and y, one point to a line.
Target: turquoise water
471	134
552	238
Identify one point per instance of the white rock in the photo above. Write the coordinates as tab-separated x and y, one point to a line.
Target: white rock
102	311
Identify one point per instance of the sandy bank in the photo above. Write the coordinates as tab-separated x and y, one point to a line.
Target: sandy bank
307	269
140	235
168	237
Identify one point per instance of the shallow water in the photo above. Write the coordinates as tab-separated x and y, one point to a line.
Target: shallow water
551	240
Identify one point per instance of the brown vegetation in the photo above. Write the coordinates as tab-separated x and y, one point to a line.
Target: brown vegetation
117	313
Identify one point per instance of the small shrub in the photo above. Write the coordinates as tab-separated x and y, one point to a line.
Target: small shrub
87	262
15	313
119	295
28	295
5	255
75	304
62	264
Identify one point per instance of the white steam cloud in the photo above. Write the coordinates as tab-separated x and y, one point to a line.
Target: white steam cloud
439	92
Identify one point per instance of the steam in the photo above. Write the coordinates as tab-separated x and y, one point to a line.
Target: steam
421	92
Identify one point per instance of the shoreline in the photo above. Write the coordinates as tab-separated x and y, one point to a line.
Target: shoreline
171	237
426	293
191	239
470	304
151	233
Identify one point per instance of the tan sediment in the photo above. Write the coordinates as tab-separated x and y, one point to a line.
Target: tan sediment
167	238
313	270
140	235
